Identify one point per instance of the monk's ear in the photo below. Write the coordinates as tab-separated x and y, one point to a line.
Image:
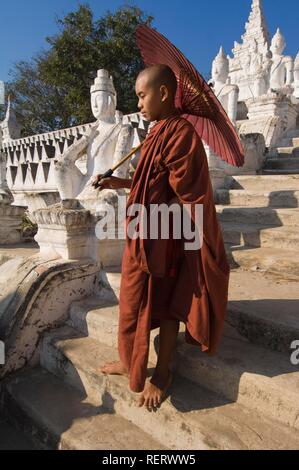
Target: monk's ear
164	92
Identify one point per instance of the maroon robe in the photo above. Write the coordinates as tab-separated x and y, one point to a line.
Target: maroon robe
159	278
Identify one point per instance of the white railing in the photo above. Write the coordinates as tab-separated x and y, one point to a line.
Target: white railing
30	160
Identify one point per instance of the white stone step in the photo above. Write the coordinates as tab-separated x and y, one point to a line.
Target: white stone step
265	182
295	141
293	133
287	141
258	215
250	370
191	418
283	163
251	235
60	417
272	172
264	309
284	263
273	323
99	320
287	151
95	318
250	375
247	307
251	198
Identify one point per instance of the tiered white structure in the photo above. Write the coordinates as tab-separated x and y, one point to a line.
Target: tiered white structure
258	87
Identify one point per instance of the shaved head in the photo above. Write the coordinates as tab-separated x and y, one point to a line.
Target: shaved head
158	75
156	89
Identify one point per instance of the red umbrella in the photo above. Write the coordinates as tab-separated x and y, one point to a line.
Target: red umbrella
194	98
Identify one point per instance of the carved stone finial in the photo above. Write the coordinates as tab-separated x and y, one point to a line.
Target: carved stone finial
10	126
221	61
278	43
221	57
103	82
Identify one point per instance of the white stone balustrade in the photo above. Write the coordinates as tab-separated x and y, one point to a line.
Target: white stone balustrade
30	161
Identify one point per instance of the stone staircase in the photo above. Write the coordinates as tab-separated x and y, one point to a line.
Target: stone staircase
260	221
284	159
291	139
244	397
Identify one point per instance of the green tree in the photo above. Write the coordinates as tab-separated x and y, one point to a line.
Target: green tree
52	91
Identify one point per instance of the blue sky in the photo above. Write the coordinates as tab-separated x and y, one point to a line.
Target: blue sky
197	27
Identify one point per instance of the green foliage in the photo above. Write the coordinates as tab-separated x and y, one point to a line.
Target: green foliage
52	91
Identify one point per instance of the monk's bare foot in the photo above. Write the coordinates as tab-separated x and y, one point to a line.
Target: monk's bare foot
155	391
114	368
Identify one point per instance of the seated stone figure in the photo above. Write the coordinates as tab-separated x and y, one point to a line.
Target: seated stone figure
259	70
296	76
107	142
281	72
228	96
226	93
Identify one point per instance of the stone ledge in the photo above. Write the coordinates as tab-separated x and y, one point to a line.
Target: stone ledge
36	297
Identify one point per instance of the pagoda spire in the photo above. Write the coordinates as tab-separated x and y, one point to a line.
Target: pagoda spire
256	26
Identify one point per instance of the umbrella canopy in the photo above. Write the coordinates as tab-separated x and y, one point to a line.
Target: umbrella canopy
194	98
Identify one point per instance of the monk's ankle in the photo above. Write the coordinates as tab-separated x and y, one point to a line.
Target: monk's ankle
160	377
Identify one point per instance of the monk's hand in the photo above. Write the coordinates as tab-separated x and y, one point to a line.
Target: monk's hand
112	182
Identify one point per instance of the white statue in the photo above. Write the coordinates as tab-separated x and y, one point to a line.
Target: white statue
226	93
296	76
245	63
258	70
281	73
108	141
256	59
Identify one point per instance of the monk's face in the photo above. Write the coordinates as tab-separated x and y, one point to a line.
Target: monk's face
151	98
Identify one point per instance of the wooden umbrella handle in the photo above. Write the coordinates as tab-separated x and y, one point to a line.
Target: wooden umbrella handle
110	172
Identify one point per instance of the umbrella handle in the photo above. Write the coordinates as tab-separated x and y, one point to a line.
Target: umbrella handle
109	172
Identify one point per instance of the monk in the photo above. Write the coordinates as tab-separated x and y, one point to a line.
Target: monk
162	283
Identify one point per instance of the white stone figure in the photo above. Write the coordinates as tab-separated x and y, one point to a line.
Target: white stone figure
256	59
296	76
281	73
245	63
259	70
226	93
108	141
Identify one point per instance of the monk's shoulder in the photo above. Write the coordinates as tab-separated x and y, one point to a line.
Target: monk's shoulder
180	125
